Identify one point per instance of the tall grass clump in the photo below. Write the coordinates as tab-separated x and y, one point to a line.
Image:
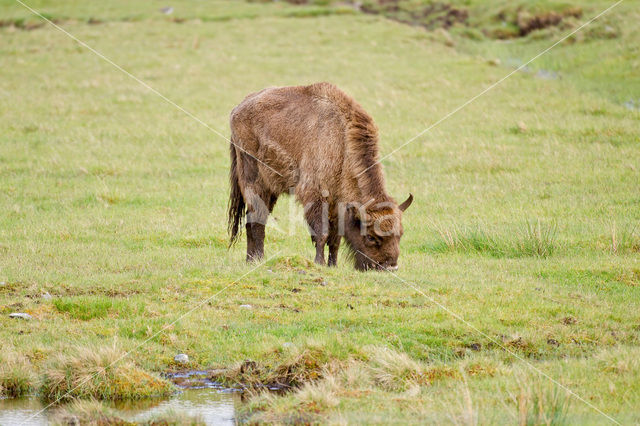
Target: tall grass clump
541	404
100	373
397	371
17	377
466	239
394	370
537	239
623	239
462	410
532	239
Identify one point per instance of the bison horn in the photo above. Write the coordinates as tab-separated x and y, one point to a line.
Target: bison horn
361	214
406	203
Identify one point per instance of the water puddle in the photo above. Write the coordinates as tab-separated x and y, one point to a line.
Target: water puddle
199	396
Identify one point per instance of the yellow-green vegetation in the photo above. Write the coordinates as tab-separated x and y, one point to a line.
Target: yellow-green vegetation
520	250
102	373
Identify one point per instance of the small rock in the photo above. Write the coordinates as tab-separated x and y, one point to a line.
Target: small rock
632	105
547	75
246	307
522	127
610	32
181	358
21	315
47	296
323	283
167	10
287	345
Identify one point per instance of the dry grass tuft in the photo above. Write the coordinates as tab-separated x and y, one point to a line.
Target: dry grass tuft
304	405
396	371
393	370
88	412
320	395
99	373
17	377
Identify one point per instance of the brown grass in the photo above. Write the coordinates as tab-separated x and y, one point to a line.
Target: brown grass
301	366
99	373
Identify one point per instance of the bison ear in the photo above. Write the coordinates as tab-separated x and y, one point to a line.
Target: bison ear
406	203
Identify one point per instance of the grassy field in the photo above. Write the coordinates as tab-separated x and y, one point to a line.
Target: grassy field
521	252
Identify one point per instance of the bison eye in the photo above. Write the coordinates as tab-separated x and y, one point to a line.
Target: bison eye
371	240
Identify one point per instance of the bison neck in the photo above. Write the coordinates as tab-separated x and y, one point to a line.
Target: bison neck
368	186
363	173
365	180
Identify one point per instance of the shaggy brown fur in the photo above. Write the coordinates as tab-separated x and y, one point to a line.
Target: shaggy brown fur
320	144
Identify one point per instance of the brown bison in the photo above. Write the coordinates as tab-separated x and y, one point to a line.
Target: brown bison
319	144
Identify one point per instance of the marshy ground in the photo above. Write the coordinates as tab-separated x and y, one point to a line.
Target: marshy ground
521	252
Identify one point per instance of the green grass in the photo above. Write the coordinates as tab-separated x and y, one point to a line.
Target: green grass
86	308
524	224
527	240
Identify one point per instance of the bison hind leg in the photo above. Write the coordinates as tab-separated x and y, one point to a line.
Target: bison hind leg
258	212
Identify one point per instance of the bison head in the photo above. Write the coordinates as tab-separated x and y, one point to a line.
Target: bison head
373	233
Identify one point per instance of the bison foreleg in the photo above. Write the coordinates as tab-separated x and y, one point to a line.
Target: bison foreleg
255	241
320	242
316	215
334	244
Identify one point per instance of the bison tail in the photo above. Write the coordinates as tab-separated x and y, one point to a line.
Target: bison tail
236	206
